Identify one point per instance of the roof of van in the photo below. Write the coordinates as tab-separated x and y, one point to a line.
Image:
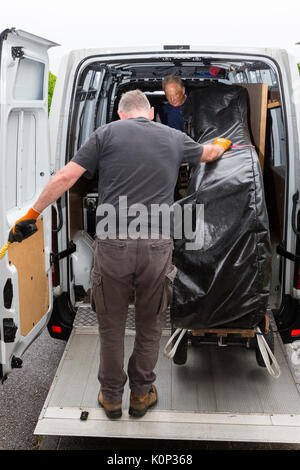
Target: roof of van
158	48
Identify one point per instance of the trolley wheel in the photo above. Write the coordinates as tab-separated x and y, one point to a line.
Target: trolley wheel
180	356
196	341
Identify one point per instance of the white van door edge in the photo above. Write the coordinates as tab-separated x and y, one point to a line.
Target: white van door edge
25	268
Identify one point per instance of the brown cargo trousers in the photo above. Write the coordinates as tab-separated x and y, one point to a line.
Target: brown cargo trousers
119	266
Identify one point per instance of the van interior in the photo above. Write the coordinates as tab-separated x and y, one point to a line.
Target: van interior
96	94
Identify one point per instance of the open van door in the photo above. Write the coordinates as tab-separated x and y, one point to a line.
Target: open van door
288	316
25	269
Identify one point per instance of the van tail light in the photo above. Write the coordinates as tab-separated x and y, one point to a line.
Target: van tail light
56	329
295	332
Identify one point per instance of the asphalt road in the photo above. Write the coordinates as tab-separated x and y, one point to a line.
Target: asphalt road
23	393
22	397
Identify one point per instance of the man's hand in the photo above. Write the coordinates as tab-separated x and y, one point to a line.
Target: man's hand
212	152
61	182
224	143
24	227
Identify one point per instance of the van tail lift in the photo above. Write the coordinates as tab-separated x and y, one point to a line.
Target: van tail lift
63	254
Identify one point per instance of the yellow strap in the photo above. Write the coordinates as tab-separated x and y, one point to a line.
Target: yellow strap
4	249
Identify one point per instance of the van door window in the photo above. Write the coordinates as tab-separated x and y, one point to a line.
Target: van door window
29	84
21	159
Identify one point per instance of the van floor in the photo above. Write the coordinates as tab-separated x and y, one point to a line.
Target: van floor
219	394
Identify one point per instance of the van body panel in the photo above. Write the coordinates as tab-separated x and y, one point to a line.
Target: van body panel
25	275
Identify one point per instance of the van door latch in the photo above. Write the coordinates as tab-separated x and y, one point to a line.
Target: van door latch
63	254
287	254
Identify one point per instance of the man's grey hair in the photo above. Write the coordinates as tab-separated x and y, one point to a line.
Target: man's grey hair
132	100
172	79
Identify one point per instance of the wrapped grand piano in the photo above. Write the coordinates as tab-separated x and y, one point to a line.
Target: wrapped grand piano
225	283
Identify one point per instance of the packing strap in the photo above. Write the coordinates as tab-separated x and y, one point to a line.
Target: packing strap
4	250
180	332
267	355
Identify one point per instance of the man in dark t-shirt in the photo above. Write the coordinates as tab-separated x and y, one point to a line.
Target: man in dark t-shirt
145	170
136	159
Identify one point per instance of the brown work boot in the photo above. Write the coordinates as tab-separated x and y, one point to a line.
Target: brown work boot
112	410
139	405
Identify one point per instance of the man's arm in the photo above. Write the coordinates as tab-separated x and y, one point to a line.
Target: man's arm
196	153
214	151
61	182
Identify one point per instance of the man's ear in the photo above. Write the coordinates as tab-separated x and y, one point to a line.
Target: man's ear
122	115
151	114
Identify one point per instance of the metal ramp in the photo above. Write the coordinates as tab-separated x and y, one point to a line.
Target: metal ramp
219	394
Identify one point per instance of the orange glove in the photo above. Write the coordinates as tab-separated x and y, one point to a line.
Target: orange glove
24	227
224	143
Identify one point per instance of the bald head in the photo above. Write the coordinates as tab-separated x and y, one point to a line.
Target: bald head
135	104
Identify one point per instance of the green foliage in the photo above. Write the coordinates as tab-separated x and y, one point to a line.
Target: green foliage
299	67
52	80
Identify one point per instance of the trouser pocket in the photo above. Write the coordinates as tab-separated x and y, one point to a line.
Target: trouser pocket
97	295
167	294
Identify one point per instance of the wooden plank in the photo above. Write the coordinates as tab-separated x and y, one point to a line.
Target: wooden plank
273	104
76	212
29	259
258	101
245	333
224	332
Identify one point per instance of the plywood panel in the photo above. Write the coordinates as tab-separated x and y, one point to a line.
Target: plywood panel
258	101
76	219
29	259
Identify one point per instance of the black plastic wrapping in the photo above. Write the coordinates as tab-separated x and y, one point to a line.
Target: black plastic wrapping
226	282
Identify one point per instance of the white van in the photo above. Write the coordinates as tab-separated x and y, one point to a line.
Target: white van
221	393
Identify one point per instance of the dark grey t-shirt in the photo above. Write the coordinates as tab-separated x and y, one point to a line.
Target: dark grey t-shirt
138	159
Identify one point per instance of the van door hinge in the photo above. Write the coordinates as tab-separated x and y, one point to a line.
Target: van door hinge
63	254
9	330
17	52
85	95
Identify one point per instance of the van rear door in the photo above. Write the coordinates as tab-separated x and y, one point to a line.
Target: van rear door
288	317
25	270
